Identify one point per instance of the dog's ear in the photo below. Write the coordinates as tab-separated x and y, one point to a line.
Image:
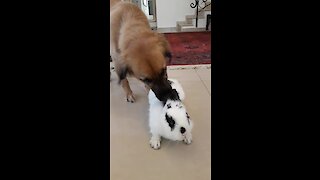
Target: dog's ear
168	55
166	47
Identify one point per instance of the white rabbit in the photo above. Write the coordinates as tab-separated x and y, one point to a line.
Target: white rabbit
169	120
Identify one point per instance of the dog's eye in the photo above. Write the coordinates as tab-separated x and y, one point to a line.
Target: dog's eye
146	80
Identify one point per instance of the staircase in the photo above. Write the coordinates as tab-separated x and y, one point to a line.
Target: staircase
189	24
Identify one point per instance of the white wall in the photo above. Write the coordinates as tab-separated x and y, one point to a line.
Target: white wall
171	11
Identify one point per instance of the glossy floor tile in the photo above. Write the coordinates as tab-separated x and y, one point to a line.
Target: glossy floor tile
131	155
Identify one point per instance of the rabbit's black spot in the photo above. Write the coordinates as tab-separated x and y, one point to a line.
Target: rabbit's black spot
188	117
170	82
182	130
170	121
174	95
168	106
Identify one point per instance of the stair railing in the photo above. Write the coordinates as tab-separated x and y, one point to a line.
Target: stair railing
196	5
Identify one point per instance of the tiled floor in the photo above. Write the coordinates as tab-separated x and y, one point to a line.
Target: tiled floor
131	155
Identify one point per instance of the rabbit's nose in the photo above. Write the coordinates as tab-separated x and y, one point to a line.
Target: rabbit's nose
182	130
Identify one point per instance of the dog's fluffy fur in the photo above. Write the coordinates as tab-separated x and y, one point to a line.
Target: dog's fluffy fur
169	120
137	51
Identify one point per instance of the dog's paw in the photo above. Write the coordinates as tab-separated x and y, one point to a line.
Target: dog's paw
188	139
155	143
130	98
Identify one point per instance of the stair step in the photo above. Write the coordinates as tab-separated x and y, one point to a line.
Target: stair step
200	16
208	8
184	23
189	24
191	29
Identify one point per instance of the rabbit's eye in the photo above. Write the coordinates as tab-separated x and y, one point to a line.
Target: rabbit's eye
170	121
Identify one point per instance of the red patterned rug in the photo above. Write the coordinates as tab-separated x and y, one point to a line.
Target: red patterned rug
190	48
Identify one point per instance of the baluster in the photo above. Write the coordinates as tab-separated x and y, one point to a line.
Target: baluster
196	5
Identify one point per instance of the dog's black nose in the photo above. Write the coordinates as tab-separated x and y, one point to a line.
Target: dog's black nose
182	130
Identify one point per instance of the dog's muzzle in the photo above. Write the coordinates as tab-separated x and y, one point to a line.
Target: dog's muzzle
162	89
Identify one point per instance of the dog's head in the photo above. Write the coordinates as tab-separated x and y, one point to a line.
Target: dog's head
146	59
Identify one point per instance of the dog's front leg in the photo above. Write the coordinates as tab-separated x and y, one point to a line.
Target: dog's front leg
155	141
127	89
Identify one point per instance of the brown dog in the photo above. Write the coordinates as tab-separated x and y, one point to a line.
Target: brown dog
138	51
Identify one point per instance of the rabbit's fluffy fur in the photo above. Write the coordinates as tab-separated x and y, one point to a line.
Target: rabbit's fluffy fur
169	120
